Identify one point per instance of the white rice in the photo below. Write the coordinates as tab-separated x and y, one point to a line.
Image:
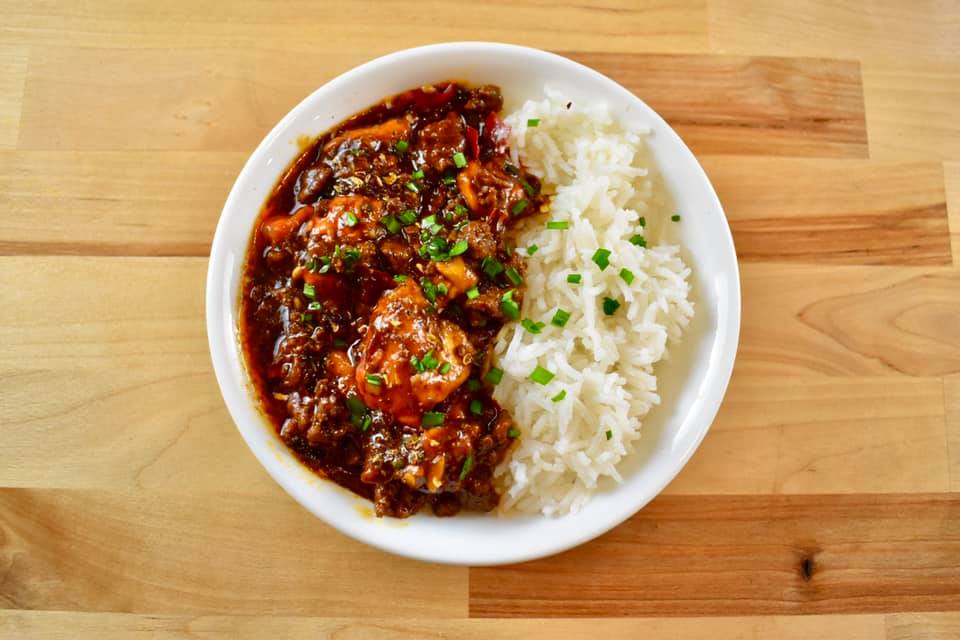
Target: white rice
603	182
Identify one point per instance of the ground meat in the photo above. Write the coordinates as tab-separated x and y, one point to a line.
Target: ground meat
312	182
481	238
440	140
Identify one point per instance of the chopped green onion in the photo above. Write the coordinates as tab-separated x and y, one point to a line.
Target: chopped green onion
428	222
509	306
314	306
448	179
558	224
560	318
532	249
390	224
491	266
532	122
531	326
429	361
339	342
445	368
473	384
529	188
560	396
416	364
518	208
541	375
459	247
412	186
638	240
355	405
494	376
473	293
514	276
610	306
408	216
642	221
306	318
574	278
442	289
312	265
459	209
467	465
460	160
432	419
402	146
400	278
429	289
374	379
350	219
609	434
627	275
476	407
418	174
366	422
602	258
513	433
675	217
309	291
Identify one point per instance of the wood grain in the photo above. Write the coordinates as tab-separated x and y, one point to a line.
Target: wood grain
877	32
849	321
834	211
112	203
746	556
370	26
951	394
781	209
56	625
227	100
202	553
731	104
913	110
922	626
84	380
777	435
13	62
951	171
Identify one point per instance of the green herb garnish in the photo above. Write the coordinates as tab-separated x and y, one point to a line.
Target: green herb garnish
601	258
541	375
558	224
432	419
610	306
494	376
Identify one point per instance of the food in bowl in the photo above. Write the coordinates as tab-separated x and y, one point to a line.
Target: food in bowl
428	323
377	279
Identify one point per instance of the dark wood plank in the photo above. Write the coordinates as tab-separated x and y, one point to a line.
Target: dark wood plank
713	555
749	105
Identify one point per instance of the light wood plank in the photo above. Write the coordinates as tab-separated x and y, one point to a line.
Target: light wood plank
785	209
862	321
13	63
202	553
822	435
749	105
113	203
746	556
834	211
875	31
951	172
951	395
202	99
58	625
371	26
923	626
89	380
912	110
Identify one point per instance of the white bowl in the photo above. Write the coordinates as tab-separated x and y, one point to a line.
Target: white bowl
692	382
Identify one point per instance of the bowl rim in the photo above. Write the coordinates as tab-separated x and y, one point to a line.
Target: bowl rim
219	335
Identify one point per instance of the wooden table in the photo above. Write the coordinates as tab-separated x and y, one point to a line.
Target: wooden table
829	484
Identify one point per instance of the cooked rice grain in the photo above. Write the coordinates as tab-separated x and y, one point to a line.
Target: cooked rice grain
603	182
